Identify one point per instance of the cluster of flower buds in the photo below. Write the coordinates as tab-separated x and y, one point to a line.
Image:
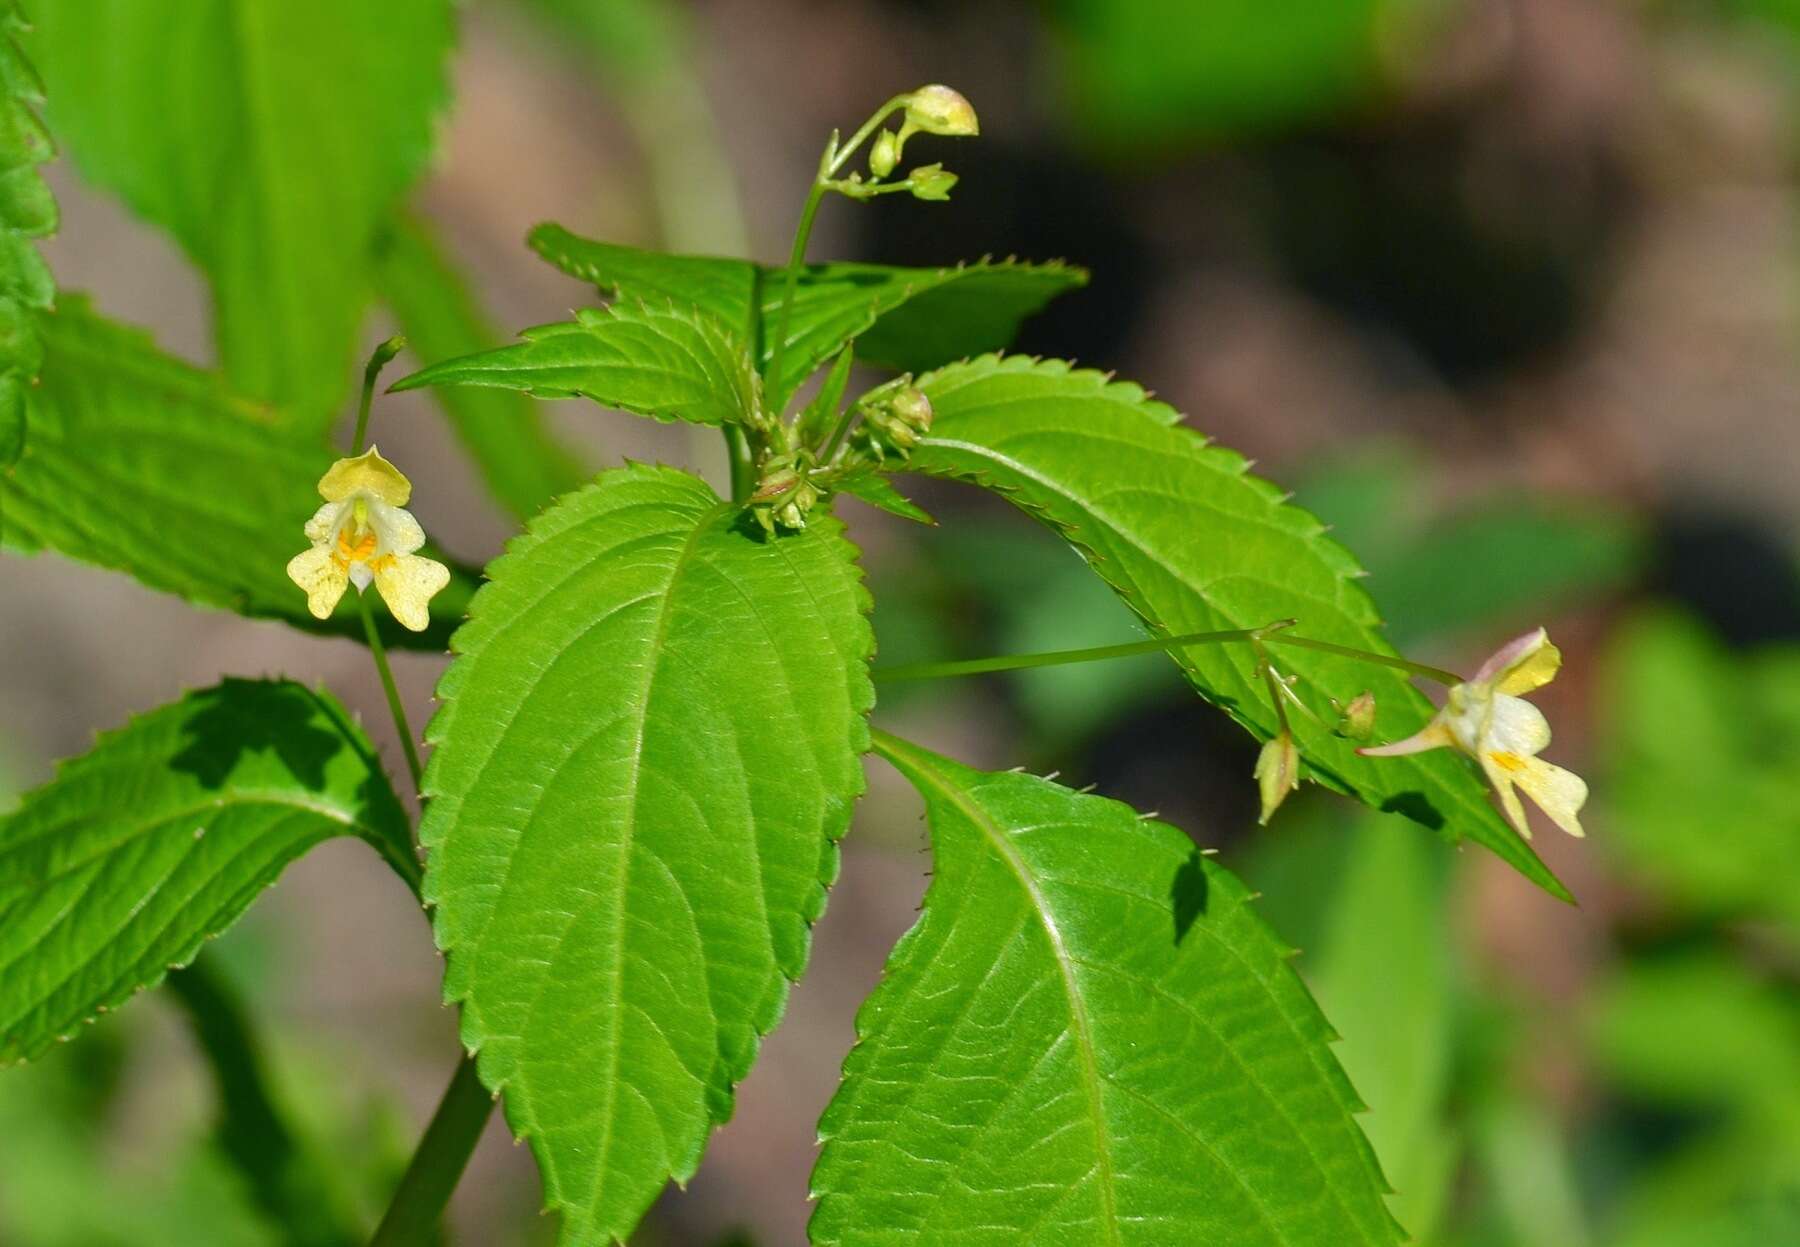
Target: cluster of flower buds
894	417
934	109
786	493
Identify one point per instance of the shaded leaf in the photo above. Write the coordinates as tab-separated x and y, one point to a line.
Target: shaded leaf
1193	543
158	838
523	463
271	140
647	748
144	464
661	361
907	318
1089	1037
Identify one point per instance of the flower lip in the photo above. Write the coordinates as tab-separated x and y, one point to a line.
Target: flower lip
366	473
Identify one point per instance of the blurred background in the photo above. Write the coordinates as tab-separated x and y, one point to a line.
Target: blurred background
1505	290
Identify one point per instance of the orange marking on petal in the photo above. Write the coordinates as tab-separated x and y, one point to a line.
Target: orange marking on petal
358	551
1507	761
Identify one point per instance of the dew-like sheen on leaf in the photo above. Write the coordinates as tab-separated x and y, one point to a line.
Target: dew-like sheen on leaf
1193	543
160	837
144	464
1088	1037
648	745
271	140
907	318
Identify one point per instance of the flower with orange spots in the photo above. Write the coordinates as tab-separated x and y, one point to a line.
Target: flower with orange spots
360	535
1487	719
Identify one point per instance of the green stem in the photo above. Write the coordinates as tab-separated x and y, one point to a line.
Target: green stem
835	156
743	463
378	359
418	1204
791	277
284	1179
1386	660
393	693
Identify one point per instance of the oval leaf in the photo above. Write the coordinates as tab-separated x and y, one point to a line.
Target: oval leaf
647	749
1089	1037
1193	543
118	869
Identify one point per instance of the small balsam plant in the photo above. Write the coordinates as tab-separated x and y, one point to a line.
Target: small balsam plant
650	739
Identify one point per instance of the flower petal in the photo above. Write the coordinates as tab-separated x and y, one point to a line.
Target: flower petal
1501	769
1514	726
407	583
367	473
1522	664
324	523
315	571
1559	793
1434	735
396	531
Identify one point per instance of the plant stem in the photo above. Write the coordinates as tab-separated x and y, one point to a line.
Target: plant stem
743	463
418	1204
395	707
1386	660
378	359
791	277
284	1179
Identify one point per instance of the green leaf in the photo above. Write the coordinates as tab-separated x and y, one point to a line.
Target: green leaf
660	361
906	318
647	749
144	464
1704	768
27	212
1089	1037
522	462
272	141
1193	543
877	490
157	839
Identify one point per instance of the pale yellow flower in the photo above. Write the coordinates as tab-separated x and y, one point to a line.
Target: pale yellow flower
360	535
1487	719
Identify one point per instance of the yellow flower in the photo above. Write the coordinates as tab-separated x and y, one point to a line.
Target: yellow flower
362	535
1487	719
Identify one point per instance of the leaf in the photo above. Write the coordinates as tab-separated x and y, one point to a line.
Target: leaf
27	212
143	464
1708	811
272	141
157	839
647	748
877	490
1089	1037
664	362
520	459
1193	543
906	318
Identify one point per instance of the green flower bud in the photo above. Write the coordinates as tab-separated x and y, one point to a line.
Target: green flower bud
931	182
1277	773
784	495
895	417
885	154
1357	720
938	109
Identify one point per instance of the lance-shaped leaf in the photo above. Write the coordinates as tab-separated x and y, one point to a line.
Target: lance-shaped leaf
271	140
908	318
155	841
27	213
1193	543
647	748
521	460
144	464
667	362
1089	1037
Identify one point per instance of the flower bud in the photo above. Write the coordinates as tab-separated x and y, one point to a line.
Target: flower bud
1277	772
895	417
1357	720
938	109
931	182
885	154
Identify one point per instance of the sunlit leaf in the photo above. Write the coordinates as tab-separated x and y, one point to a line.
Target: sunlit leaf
27	213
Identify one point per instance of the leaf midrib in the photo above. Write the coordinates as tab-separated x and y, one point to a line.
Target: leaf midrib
1082	1026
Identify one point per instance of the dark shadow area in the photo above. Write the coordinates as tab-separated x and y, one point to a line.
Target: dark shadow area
1188	894
1416	806
248	716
